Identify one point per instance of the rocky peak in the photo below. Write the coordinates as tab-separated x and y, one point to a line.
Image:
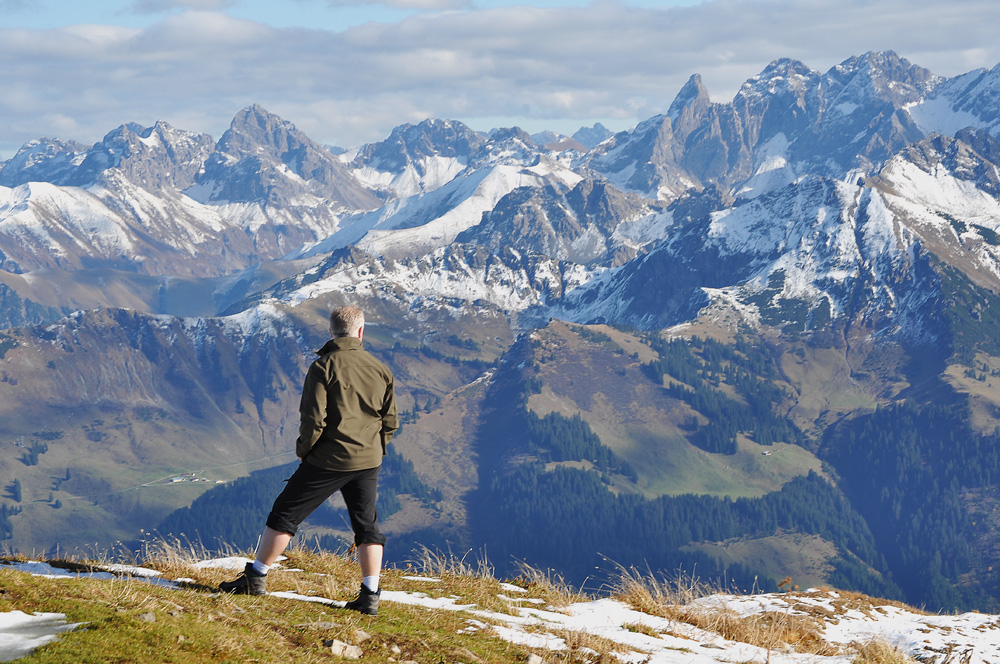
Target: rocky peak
255	130
576	225
42	160
971	156
155	158
509	145
781	78
691	100
591	137
511	133
161	156
881	75
255	154
409	144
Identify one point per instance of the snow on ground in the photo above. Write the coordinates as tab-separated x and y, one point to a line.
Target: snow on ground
20	633
842	619
111	571
968	637
235	563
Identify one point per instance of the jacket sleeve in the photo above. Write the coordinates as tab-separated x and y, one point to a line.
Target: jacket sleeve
389	420
312	410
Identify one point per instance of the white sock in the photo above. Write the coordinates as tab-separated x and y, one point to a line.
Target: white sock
371	583
260	567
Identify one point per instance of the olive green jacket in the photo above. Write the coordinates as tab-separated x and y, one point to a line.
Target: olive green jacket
348	408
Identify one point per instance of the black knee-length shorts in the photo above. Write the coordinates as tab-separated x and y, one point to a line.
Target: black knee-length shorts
310	485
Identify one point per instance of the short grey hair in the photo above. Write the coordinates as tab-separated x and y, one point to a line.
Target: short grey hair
346	321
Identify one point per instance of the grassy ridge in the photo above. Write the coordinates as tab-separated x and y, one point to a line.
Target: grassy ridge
127	620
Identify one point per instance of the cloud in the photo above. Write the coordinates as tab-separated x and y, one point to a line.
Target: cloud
163	6
421	5
559	68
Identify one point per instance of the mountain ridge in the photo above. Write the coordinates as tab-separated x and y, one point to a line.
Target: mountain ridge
761	278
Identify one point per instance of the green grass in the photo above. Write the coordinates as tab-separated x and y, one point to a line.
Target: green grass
803	558
641	425
672	466
667	464
198	625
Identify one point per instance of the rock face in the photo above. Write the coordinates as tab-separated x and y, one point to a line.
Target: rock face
576	225
789	118
264	158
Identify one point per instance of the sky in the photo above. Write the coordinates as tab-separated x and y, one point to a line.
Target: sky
347	71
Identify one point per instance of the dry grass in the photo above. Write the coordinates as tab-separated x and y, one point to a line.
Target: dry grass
674	599
639	628
879	651
474	579
589	648
130	620
548	585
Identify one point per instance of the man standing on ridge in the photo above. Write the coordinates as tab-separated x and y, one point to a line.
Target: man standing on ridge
348	413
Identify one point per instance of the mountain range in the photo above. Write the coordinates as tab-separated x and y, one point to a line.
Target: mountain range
704	314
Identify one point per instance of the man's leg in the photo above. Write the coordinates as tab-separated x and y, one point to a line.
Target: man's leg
370	558
359	496
272	544
307	489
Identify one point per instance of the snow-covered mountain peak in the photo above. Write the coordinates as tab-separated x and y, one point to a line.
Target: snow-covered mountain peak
42	160
416	158
780	77
969	100
882	76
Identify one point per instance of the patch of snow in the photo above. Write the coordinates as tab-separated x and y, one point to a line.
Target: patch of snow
20	633
938	116
439	225
47	571
234	563
939	191
308	598
772	171
644	230
845	107
428	174
131	570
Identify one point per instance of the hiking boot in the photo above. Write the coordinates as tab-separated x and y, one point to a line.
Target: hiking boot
366	603
247	583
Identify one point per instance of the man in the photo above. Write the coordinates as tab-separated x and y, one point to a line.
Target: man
348	413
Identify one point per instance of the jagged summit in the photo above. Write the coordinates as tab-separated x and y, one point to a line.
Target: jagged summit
693	98
780	77
591	137
254	128
411	144
264	157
